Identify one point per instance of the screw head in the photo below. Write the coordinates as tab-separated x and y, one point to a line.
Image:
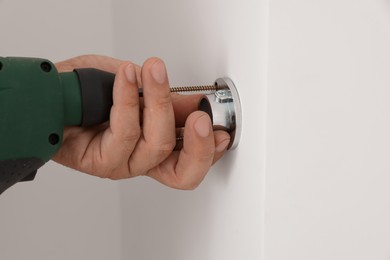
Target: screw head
223	96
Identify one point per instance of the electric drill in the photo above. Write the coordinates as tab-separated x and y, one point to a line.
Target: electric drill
36	102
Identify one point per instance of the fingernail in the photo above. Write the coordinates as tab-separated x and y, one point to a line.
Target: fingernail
222	146
202	126
158	72
130	73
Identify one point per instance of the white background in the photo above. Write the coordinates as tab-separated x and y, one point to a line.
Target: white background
310	177
328	142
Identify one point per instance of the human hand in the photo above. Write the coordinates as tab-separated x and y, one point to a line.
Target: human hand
121	148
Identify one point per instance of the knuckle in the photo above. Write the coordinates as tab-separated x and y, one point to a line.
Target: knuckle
132	134
162	151
113	169
135	170
131	103
104	168
189	181
163	102
188	185
128	105
206	155
167	147
130	138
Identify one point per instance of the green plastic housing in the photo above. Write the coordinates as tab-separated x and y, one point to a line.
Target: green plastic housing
36	102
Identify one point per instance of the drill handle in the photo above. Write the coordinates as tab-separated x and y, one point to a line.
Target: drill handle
96	95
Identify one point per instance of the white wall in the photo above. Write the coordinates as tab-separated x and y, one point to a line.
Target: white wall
61	215
328	171
200	41
310	177
323	66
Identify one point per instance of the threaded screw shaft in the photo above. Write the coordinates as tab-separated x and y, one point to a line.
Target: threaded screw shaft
206	88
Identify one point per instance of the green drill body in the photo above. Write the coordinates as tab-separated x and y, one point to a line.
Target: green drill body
36	103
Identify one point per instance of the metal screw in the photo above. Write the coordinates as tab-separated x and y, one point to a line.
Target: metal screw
205	89
223	96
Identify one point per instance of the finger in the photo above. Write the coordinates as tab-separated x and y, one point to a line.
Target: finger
158	131
90	61
76	140
187	168
120	139
100	62
184	105
222	140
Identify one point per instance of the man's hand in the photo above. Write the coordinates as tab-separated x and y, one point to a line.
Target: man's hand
140	137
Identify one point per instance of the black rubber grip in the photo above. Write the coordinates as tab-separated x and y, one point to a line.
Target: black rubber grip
13	171
96	95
